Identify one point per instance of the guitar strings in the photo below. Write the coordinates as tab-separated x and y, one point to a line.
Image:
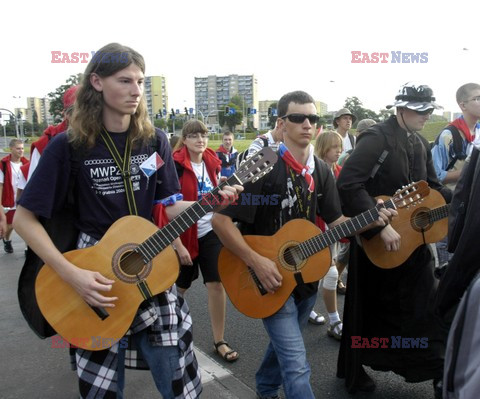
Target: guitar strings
422	219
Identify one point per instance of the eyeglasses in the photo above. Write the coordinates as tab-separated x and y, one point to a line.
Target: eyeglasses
426	112
300	118
476	99
196	135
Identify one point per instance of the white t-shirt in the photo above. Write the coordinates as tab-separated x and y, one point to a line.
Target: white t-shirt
205	185
16	173
258	144
34	159
347	144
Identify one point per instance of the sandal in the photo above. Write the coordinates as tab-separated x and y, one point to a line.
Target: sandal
341	288
335	331
318	319
227	356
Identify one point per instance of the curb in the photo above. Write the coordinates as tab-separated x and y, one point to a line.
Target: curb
219	382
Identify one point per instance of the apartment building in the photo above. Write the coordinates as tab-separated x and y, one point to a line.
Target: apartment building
213	93
37	108
156	95
264	105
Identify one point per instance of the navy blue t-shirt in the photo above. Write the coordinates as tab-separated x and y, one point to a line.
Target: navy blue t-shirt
99	191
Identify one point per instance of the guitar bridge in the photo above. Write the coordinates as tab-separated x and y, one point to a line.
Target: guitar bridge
257	282
101	312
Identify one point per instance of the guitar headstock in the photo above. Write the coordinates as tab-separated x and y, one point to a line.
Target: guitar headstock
257	166
411	194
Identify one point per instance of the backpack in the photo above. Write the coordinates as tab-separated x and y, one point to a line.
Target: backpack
456	151
242	155
461	377
64	234
61	229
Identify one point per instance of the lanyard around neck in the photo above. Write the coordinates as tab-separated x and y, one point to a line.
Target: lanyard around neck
304	201
123	164
202	185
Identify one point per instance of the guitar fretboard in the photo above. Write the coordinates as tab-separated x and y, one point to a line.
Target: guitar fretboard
342	230
157	242
438	213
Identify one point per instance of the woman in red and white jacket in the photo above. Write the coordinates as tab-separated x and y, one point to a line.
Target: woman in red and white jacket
198	169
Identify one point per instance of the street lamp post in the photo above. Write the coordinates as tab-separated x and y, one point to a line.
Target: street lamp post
15	120
244	113
197	111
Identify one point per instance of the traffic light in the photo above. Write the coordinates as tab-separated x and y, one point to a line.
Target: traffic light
269	111
227	110
172	111
186	111
248	111
0	114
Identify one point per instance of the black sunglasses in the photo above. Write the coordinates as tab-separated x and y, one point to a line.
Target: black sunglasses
300	118
426	112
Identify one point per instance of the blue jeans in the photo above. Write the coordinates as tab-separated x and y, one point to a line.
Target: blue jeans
286	360
443	255
162	360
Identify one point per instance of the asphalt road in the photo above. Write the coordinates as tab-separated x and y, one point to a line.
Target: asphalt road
30	368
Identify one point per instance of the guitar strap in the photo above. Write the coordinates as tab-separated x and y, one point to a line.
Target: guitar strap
123	165
379	163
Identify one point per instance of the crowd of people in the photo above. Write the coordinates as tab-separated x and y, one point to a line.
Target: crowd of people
326	184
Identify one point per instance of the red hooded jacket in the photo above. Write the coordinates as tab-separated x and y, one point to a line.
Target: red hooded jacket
189	188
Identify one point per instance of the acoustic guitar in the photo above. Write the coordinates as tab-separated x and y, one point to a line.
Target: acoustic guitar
301	253
422	224
139	257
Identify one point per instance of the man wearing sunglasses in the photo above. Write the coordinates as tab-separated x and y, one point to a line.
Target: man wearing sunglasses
394	302
303	186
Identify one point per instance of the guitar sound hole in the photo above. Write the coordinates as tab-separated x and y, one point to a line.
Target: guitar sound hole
291	257
421	220
131	263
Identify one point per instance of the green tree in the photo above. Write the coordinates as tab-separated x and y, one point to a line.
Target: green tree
10	126
324	121
232	120
28	128
34	120
41	128
384	114
56	97
356	108
160	123
178	124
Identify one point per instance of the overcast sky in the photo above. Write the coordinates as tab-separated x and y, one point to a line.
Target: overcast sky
288	45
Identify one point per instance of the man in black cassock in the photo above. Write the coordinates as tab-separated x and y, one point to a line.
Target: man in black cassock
396	302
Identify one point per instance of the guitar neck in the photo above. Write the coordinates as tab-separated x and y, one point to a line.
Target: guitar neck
438	213
342	230
157	242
